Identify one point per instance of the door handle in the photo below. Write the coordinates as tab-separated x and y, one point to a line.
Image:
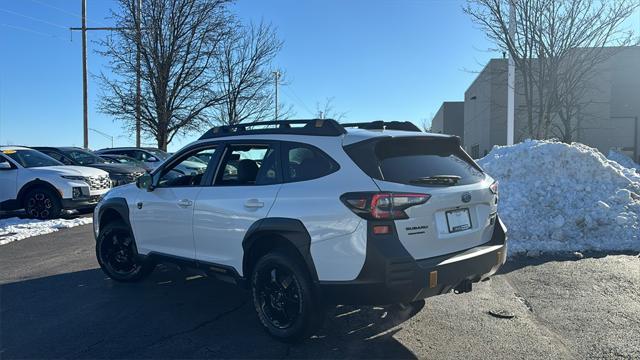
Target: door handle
254	203
185	203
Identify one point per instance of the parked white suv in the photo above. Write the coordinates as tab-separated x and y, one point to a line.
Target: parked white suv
311	212
44	186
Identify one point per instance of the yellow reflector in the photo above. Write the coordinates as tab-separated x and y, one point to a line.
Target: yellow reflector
433	279
8	152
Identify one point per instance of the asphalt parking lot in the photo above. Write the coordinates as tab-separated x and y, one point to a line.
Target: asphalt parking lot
56	303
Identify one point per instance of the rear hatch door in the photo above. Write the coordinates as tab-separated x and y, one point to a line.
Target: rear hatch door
461	212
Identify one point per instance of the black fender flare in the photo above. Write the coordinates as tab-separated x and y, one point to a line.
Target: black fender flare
289	230
33	184
114	205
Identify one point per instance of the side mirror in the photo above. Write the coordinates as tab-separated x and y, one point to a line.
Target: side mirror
5	166
152	159
145	182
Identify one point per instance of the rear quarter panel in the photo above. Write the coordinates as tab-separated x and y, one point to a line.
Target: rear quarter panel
338	236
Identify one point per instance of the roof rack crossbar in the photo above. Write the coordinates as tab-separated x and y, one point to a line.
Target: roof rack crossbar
384	125
316	127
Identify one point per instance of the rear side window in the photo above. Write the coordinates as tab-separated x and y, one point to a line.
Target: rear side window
423	161
245	165
305	162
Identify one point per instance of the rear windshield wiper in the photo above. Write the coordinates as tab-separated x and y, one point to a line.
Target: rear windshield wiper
437	180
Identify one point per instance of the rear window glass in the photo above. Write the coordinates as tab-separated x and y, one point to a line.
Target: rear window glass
305	162
417	161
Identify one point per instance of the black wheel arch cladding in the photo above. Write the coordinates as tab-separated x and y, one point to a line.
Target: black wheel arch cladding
115	205
34	184
292	231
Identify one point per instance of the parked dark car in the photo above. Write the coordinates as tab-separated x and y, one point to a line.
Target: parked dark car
123	159
119	174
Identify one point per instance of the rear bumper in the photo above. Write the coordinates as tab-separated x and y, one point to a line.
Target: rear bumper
390	275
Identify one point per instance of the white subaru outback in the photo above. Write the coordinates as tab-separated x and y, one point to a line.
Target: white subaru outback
306	213
44	186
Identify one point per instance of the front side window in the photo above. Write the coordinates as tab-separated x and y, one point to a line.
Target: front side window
249	165
31	158
305	162
57	156
183	173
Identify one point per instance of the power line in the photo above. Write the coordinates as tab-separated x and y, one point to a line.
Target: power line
34	18
299	100
57	8
21	28
85	97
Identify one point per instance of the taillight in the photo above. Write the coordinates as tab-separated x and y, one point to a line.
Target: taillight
494	187
382	206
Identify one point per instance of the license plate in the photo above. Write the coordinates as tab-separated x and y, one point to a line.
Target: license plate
458	220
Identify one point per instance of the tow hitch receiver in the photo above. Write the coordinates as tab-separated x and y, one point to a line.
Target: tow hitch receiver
464	287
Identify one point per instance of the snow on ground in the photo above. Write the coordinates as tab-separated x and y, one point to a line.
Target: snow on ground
561	197
623	160
14	229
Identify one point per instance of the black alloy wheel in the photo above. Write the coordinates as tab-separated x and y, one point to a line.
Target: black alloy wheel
284	297
279	296
115	250
41	203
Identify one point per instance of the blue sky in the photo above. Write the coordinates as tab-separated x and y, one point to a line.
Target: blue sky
385	59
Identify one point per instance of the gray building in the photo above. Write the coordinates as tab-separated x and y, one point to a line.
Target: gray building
449	119
609	110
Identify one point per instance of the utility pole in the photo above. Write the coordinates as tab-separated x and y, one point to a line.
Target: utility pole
277	80
511	77
138	84
85	98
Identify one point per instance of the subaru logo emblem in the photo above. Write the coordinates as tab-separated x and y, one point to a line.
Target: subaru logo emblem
466	197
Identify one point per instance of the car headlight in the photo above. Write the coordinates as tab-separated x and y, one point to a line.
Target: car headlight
73	177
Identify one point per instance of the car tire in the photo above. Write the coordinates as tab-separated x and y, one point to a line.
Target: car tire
42	203
117	256
283	297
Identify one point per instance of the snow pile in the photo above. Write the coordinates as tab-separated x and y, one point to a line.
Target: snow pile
561	197
14	229
623	160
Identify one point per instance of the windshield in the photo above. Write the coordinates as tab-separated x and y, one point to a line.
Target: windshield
122	160
158	153
84	157
31	158
196	160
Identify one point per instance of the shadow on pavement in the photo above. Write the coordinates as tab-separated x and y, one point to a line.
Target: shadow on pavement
521	261
173	314
71	214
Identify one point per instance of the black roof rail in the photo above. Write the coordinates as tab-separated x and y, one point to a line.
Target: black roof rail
316	127
385	125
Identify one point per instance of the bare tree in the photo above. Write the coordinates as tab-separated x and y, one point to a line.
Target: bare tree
246	79
556	47
178	46
426	124
326	110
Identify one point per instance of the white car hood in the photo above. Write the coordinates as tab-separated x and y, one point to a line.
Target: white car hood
70	170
